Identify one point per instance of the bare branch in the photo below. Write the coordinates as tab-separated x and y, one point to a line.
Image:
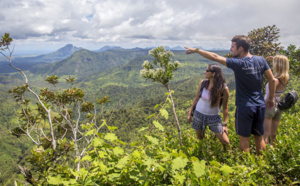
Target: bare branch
44	134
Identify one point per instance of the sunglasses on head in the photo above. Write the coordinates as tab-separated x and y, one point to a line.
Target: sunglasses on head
209	70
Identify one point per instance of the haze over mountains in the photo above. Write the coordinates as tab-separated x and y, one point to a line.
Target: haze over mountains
104	66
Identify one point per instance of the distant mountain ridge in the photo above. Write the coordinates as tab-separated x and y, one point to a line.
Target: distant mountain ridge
57	55
26	63
105	48
85	62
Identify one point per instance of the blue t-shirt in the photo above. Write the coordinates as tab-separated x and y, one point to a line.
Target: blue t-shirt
248	79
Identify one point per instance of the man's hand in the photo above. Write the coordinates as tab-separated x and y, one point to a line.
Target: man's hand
270	103
190	50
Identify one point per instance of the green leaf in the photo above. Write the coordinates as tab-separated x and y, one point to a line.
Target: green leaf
70	182
110	137
152	139
156	106
215	163
113	177
98	142
143	128
118	151
164	113
75	173
103	167
151	116
54	180
226	170
86	158
199	168
180	178
252	172
149	161
122	162
102	154
89	133
158	125
179	163
136	154
112	128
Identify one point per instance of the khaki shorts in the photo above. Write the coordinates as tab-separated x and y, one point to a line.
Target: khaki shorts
274	113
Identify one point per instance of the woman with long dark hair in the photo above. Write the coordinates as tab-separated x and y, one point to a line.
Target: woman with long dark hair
207	105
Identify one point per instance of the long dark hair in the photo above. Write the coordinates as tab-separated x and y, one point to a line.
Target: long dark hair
219	85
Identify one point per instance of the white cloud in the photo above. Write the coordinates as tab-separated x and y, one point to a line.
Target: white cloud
130	23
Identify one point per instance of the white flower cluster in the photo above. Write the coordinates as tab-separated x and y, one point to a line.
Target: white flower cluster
147	65
158	73
165	69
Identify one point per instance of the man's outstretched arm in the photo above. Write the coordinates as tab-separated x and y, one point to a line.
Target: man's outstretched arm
208	55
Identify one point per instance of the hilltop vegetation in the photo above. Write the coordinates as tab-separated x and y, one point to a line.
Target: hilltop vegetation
131	102
132	139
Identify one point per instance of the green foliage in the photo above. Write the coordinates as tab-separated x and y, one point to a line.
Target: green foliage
264	41
103	100
5	41
52	79
71	80
294	58
54	140
44	162
160	160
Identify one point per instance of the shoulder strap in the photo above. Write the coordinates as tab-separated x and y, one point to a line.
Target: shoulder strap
282	83
288	83
204	83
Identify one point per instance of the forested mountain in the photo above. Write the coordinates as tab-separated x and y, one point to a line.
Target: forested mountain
128	74
84	62
26	63
57	55
105	48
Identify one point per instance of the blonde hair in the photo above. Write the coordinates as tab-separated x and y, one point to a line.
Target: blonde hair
281	68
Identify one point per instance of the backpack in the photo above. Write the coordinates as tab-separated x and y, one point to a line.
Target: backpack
204	83
288	100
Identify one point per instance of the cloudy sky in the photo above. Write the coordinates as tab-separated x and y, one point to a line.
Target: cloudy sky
92	24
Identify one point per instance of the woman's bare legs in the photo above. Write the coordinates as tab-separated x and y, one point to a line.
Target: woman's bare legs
275	125
223	137
268	126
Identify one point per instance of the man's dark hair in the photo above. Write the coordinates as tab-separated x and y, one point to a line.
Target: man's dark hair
242	41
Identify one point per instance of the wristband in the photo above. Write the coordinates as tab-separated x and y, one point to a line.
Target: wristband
224	124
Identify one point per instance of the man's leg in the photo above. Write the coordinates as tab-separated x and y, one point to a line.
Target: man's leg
258	129
243	124
259	144
244	143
